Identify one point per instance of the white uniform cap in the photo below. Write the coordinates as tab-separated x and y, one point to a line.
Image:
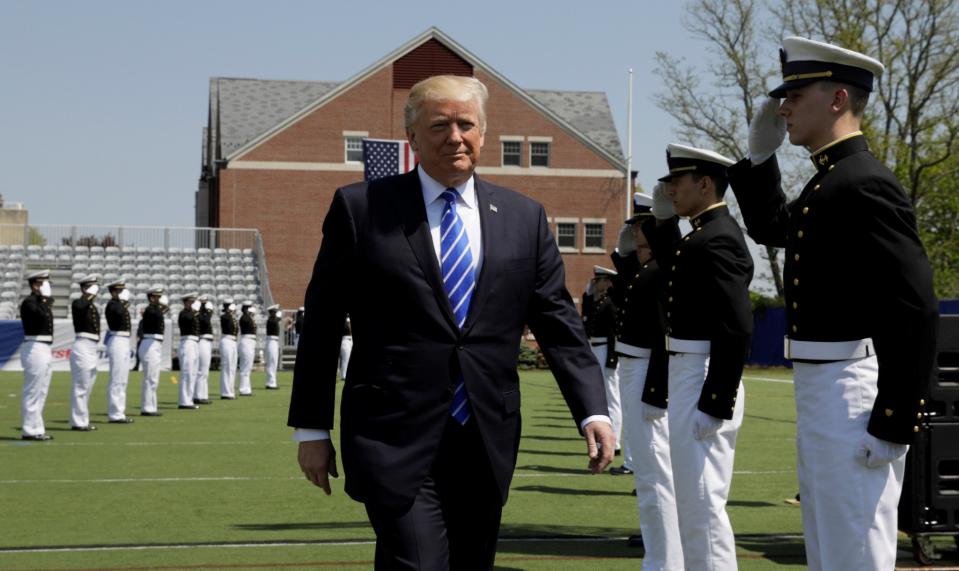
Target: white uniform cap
39	275
273	307
190	295
88	279
247	303
683	159
642	207
155	290
805	61
601	272
116	284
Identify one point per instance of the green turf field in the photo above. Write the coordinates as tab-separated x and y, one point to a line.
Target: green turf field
220	488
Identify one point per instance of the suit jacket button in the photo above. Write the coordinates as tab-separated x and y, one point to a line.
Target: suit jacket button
889	412
714	396
915	429
459	347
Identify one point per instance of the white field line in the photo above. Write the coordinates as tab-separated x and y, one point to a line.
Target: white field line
767	380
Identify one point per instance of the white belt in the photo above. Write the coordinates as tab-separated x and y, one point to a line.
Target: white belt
207	336
120	333
90	336
157	336
828	350
277	337
40	338
632	350
598	341
687	346
230	337
248	336
189	338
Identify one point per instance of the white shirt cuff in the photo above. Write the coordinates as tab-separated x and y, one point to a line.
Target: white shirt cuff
309	434
594	418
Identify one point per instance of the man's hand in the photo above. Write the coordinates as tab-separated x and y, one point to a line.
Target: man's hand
662	203
652	413
626	242
600	445
317	460
766	132
705	425
875	453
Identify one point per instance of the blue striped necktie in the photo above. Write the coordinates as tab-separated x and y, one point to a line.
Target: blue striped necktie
456	263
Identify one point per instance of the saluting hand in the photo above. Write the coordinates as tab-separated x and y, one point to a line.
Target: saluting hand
766	132
600	445
626	241
662	204
318	460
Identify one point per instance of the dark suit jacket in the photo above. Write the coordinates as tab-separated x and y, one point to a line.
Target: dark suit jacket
378	258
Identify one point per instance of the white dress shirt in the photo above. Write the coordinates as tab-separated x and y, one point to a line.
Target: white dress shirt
467	209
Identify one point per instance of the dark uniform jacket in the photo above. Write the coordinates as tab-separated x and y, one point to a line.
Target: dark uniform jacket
273	325
86	316
189	324
641	322
153	320
228	324
599	320
855	268
247	324
36	315
205	323
118	316
707	276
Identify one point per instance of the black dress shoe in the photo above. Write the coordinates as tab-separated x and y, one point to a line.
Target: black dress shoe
188	407
621	471
617	453
636	541
202	401
227	398
246	394
272	388
155	413
87	428
36	437
124	420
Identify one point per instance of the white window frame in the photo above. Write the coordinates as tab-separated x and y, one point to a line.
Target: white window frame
597	222
353	136
519	153
575	223
548	141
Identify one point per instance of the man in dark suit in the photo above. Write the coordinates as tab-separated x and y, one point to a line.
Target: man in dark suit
861	314
448	270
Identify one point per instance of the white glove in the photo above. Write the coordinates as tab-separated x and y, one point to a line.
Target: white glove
875	453
626	242
705	425
662	203
590	287
766	132
652	413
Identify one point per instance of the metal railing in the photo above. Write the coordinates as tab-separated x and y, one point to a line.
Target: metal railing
130	236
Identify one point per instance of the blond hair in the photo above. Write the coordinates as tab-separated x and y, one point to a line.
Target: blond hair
446	88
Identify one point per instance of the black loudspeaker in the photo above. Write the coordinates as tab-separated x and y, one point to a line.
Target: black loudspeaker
942	398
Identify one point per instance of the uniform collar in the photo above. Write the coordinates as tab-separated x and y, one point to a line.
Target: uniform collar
825	157
433	189
711	213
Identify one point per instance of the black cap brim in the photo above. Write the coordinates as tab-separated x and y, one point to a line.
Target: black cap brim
780	92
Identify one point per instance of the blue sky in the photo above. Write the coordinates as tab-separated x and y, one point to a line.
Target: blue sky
103	102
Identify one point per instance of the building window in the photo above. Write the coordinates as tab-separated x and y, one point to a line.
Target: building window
566	235
538	154
594	236
511	153
354	149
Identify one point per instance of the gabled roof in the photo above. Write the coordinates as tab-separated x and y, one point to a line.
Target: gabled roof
246	112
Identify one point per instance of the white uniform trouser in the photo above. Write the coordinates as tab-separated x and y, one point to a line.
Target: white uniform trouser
652	469
151	355
37	362
227	367
611	381
201	389
188	370
272	360
246	354
849	511
702	469
346	349
118	352
83	370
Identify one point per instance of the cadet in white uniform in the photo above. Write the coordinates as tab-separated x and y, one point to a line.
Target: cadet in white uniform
188	353
272	345
346	348
229	329
201	390
118	351
83	353
151	350
247	348
35	355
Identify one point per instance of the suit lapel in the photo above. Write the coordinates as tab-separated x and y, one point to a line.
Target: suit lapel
416	228
489	226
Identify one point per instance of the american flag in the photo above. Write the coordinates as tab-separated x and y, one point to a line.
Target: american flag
386	158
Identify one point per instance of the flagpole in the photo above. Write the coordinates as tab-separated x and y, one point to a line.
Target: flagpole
629	143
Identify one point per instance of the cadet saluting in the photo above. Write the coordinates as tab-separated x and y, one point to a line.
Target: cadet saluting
861	313
118	351
229	329
272	345
151	350
35	355
188	353
201	387
247	348
709	324
83	353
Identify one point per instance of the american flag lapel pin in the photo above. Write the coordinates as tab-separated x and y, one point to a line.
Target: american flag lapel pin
493	208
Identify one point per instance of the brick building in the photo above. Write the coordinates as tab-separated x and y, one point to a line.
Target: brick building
275	151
